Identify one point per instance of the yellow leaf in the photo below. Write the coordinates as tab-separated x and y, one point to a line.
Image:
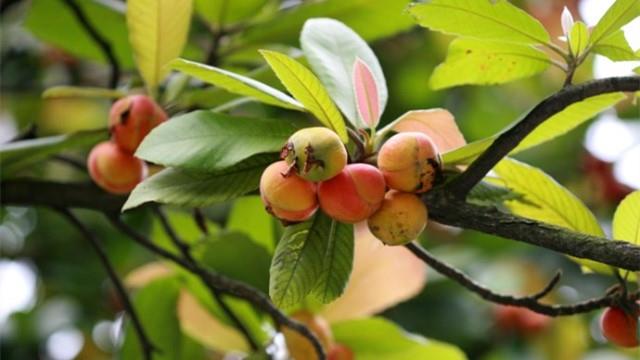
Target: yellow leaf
626	221
147	273
157	31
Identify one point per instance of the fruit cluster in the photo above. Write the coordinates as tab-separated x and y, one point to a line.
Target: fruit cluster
111	163
314	174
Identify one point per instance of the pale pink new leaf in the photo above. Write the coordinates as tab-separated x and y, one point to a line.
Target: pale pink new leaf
366	91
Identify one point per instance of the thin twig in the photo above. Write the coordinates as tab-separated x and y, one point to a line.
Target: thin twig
147	347
186	254
100	41
530	302
225	285
508	140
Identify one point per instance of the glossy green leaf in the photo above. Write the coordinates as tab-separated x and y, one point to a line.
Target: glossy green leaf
178	187
300	259
619	14
616	47
389	17
158	31
482	19
626	220
236	83
20	154
307	89
81	91
559	124
480	62
377	338
578	38
218	12
63	30
331	49
248	215
337	263
205	141
227	253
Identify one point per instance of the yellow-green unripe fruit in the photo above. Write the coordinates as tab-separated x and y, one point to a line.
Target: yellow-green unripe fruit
316	153
400	218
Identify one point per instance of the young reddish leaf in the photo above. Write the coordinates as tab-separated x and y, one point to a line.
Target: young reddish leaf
439	124
366	90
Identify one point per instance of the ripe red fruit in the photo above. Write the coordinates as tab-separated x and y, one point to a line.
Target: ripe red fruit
520	320
286	195
620	327
132	118
115	170
409	162
354	194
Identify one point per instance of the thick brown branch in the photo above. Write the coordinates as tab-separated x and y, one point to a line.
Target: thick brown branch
451	211
507	141
145	342
531	302
225	285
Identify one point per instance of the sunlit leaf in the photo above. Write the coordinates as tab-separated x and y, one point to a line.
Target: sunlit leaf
578	38
249	216
205	141
220	12
178	187
616	47
331	49
158	30
620	13
481	62
307	89
236	83
367	99
378	338
482	19
626	220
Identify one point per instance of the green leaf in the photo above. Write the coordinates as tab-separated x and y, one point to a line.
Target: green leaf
158	30
17	155
81	91
331	49
178	187
307	89
299	261
626	220
220	12
237	84
488	194
63	30
249	216
227	253
389	17
547	201
482	19
637	70
616	47
205	141
578	38
377	338
156	307
559	124
337	263
472	61
619	14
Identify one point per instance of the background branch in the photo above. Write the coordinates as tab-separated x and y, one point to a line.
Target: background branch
100	41
145	343
507	141
531	302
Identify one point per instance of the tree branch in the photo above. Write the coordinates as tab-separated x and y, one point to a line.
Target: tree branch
145	343
507	141
225	285
531	302
452	211
186	254
100	41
